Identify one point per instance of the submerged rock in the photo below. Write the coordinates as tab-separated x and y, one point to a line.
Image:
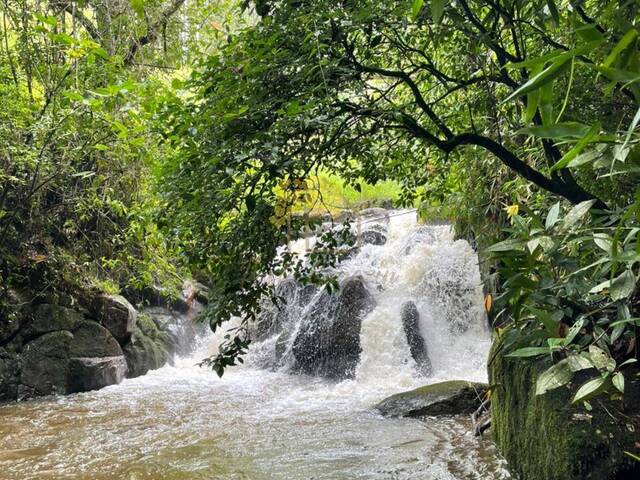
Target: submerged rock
417	347
447	398
373	237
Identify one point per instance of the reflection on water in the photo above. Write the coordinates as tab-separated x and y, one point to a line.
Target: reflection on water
184	423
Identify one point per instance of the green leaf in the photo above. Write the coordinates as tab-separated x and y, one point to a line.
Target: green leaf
624	42
533	98
623	285
579	362
529	352
545	76
618	381
573	153
576	213
506	245
417	7
554	11
138	7
556	376
437	9
618	75
552	216
558	131
601	359
556	56
573	331
632	127
48	19
589	389
583	158
604	241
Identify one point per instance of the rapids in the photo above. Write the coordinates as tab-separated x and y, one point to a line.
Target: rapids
182	422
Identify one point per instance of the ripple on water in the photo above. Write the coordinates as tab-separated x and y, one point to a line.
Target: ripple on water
183	423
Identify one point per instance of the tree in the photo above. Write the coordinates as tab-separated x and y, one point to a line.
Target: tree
387	90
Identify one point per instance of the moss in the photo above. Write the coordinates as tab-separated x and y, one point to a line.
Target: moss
546	438
147	326
446	398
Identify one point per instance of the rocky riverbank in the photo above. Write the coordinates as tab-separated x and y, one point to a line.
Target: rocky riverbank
74	346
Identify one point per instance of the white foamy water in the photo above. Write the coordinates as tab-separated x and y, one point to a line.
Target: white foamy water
183	422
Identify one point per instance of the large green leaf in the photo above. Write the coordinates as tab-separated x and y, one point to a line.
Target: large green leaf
545	76
623	285
601	359
416	8
556	376
618	381
582	143
576	213
529	352
505	246
589	389
557	131
552	216
624	42
437	9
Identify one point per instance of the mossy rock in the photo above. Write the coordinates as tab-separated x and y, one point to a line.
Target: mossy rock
47	318
91	339
446	398
544	437
144	353
45	364
147	326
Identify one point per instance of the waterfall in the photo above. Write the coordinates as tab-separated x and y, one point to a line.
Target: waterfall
270	423
400	265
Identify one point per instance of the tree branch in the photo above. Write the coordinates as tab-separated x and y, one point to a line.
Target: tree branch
153	31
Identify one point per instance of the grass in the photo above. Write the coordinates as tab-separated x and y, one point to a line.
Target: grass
329	194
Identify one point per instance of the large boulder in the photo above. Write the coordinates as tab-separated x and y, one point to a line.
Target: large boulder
328	341
9	376
117	315
417	346
47	318
144	353
91	339
65	361
454	397
45	365
545	437
93	373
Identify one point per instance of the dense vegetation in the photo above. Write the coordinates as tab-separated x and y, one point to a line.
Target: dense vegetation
528	105
146	138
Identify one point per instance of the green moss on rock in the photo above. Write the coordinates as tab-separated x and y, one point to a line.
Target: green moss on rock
546	438
446	398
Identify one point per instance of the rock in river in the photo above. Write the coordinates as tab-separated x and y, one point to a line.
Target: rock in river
447	398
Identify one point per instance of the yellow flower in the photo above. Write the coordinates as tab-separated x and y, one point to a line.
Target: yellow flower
512	210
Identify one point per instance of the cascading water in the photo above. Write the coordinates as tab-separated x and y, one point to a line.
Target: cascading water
182	422
417	263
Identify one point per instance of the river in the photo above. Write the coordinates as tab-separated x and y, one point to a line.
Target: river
183	422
